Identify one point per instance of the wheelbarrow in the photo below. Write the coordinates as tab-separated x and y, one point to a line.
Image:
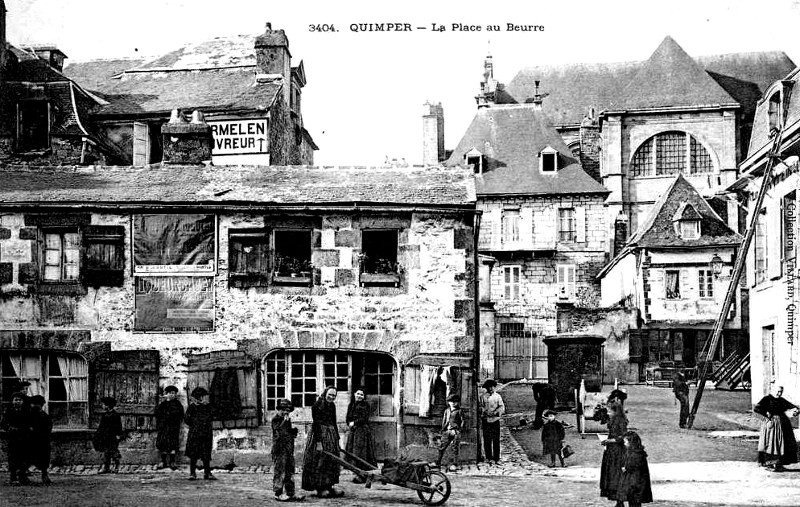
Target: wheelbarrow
432	486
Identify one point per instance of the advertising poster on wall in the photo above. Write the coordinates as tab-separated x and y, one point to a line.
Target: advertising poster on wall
174	304
167	244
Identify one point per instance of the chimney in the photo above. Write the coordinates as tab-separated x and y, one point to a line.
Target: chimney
432	134
537	97
51	54
186	143
272	53
620	232
589	136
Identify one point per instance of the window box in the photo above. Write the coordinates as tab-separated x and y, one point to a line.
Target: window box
380	279
292	279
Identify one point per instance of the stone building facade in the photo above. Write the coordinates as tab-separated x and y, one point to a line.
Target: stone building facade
257	283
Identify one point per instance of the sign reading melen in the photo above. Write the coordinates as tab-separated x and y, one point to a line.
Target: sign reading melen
174	304
239	137
174	244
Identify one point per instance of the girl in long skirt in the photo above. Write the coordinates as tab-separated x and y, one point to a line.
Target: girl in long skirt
634	485
359	438
614	454
776	443
320	472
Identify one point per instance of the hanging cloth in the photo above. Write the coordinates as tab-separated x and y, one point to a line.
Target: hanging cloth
427	378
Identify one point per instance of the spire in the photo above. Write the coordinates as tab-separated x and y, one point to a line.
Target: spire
486	97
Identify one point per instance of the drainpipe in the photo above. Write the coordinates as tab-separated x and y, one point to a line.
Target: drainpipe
477	320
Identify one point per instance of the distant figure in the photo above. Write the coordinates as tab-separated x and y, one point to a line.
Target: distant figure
491	408
634	485
320	472
776	443
452	425
545	397
169	416
553	438
283	435
199	418
614	454
359	438
681	390
41	429
17	425
108	435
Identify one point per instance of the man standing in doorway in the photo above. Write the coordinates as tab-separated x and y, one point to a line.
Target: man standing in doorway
492	408
681	390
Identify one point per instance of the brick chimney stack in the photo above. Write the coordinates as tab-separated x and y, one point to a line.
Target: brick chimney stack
620	233
432	134
589	135
186	143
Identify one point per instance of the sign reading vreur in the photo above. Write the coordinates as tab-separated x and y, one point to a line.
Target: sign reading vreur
167	244
174	304
239	137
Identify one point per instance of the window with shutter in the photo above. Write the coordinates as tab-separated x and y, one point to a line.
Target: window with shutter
103	256
131	377
511	282
248	258
565	279
230	376
141	144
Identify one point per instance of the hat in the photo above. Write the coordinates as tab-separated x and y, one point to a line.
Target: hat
37	399
170	389
285	404
489	383
620	395
20	395
454	397
547	413
199	392
108	401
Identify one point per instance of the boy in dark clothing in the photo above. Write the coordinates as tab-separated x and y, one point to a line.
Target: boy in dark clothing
553	438
42	427
452	426
17	425
283	435
169	416
108	434
681	390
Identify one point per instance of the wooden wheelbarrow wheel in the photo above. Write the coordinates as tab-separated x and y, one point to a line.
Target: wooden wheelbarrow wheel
441	488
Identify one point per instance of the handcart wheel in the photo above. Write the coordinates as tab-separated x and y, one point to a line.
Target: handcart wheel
440	483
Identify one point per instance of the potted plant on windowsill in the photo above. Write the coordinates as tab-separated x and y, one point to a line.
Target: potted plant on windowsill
292	271
379	271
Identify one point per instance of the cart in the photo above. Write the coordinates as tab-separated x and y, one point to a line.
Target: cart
432	486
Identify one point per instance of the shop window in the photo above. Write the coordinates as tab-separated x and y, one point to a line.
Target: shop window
33	125
565	278
378	258
511	282
670	153
62	378
672	284
248	258
567	229
705	283
292	257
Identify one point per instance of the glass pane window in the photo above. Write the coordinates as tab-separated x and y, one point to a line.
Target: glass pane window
61	256
302	375
511	282
511	226
705	281
379	376
672	281
567	230
669	153
275	378
336	367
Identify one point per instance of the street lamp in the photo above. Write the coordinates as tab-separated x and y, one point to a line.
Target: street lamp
716	265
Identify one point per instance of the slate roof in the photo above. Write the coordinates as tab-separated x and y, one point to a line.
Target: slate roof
760	136
214	75
221	185
94	74
510	138
574	88
658	230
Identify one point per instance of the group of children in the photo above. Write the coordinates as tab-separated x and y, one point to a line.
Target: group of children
27	427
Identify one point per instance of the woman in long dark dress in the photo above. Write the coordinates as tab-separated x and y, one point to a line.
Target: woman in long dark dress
199	418
320	472
359	438
634	485
776	443
614	454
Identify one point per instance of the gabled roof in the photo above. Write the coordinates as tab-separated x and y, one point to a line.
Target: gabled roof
510	139
574	88
670	78
760	137
658	229
223	185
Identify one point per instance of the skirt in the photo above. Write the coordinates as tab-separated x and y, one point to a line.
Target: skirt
611	470
320	472
359	443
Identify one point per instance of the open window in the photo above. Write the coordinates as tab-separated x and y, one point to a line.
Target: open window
103	255
292	257
248	258
473	158
33	125
378	258
672	284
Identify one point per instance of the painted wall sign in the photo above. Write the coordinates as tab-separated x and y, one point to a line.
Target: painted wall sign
174	304
239	137
167	244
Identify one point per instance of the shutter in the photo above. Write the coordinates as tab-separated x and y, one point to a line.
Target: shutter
580	224
411	389
773	242
131	377
526	227
103	255
546	234
468	403
496	224
571	281
141	144
230	376
561	281
637	346
686	288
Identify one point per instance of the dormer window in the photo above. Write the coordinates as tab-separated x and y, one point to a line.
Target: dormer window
474	158
687	222
690	229
548	160
774	111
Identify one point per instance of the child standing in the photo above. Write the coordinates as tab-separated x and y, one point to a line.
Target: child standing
452	425
17	425
41	428
169	416
283	435
634	485
552	438
108	435
199	418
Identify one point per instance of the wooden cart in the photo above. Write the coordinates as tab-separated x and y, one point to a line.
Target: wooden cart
432	486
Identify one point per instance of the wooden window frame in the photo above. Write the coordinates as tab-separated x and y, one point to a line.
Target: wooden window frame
298	271
566	288
512	290
567	225
705	281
